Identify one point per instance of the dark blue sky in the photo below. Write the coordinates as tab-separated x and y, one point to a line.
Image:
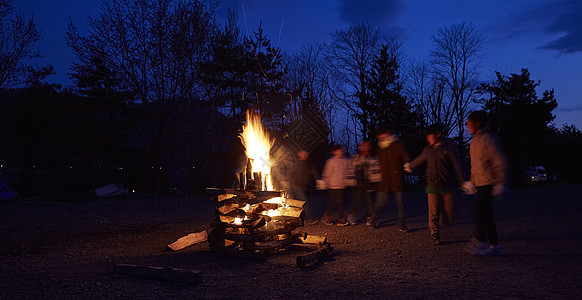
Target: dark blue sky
544	36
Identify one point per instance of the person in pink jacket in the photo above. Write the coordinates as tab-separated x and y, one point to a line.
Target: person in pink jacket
334	180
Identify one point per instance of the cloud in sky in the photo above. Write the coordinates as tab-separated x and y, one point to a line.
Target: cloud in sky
556	18
567	21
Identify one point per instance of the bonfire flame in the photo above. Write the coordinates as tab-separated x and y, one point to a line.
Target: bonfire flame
257	145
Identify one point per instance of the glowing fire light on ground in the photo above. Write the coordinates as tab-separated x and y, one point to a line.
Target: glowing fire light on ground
257	145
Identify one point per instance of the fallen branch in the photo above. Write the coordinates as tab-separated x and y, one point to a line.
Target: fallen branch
314	256
160	273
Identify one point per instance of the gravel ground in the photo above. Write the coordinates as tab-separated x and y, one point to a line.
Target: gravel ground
67	250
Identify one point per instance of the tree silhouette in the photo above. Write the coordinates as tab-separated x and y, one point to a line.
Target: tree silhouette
520	118
151	51
386	106
455	69
17	38
350	56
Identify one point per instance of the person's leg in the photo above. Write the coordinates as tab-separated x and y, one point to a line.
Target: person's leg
357	198
369	204
480	211
331	205
433	215
381	199
449	209
489	227
400	203
340	203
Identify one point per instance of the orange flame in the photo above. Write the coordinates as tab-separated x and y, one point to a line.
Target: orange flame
258	145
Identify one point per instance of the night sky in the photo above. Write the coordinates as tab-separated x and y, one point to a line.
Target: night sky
544	36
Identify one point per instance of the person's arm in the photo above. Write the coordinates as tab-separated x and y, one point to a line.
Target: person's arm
421	159
497	159
456	162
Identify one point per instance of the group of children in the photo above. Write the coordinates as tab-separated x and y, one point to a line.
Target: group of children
384	174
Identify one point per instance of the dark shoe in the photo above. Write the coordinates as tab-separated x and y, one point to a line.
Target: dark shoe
342	222
370	223
403	228
436	239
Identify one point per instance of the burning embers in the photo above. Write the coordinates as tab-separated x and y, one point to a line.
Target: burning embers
254	220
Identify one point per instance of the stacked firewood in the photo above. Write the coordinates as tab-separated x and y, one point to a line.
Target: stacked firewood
255	223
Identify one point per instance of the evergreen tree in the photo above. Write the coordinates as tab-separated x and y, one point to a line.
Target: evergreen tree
520	118
385	104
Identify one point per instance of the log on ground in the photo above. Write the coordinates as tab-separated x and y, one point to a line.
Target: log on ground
160	273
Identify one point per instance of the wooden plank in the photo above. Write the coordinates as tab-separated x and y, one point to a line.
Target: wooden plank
313	239
314	256
245	237
189	240
160	273
294	203
223	197
227	208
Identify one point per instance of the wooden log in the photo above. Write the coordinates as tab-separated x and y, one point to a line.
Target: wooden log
245	237
228	208
272	245
266	195
189	240
283	230
314	256
217	191
294	212
226	219
223	197
313	239
295	203
160	273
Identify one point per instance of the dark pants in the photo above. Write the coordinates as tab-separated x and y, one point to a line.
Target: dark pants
485	229
297	192
361	196
336	199
382	199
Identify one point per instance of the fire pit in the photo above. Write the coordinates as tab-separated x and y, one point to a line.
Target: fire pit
254	220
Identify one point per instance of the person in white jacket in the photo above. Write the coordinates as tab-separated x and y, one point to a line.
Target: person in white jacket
334	180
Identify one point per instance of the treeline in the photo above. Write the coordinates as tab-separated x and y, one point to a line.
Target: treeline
161	89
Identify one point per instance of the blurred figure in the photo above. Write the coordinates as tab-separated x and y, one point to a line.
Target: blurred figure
442	164
299	178
488	172
334	180
391	155
363	171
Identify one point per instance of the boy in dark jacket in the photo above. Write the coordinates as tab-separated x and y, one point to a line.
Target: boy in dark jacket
442	164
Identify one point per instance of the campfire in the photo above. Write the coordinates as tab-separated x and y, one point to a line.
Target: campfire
254	219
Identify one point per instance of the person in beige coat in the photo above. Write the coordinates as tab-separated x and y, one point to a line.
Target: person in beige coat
488	172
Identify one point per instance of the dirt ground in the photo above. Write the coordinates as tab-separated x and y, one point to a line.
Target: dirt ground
67	250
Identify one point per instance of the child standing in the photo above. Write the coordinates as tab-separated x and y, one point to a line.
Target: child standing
334	179
442	164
